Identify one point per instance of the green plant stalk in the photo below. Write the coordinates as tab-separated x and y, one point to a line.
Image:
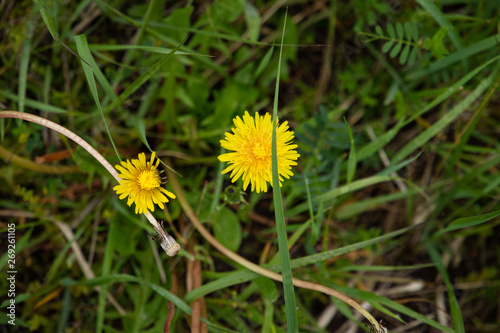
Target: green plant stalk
290	305
30	165
173	247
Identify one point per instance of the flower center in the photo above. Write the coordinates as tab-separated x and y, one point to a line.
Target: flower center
260	150
148	180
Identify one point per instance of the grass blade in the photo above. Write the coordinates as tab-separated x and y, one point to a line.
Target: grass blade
351	162
142	79
456	313
245	276
467	222
466	52
291	312
84	52
443	122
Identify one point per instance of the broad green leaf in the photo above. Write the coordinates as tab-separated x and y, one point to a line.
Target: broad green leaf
267	287
227	229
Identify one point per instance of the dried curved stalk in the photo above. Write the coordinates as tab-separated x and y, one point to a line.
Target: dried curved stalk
258	269
167	242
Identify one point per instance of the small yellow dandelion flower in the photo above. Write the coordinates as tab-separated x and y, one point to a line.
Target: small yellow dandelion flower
252	146
141	183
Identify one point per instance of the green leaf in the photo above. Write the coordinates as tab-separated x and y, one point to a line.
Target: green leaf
387	46
227	229
442	20
252	18
267	287
390	31
414	33
408	31
466	222
413	56
435	44
400	31
378	30
48	20
403	57
141	131
395	51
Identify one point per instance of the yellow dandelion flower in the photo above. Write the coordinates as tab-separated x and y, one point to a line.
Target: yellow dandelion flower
251	142
141	183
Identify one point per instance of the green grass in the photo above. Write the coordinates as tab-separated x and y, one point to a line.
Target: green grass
394	202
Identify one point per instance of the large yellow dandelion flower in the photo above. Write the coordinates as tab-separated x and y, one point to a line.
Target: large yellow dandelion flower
141	182
252	146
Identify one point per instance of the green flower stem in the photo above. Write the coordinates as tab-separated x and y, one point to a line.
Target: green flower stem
30	165
256	268
173	246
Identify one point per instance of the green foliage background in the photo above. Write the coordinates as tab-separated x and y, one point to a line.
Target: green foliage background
395	200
